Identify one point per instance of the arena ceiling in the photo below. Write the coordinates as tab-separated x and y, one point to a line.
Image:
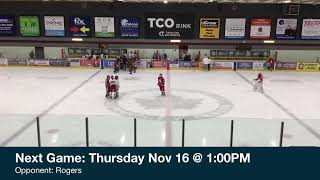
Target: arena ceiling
190	1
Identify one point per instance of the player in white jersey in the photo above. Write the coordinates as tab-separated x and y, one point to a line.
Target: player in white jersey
258	83
112	87
117	83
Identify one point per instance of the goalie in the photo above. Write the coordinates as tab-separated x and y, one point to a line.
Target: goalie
258	83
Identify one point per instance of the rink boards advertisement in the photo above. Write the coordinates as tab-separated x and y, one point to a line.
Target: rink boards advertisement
74	61
89	62
56	62
3	62
174	64
185	63
222	65
258	65
108	62
308	66
17	62
41	62
159	64
286	66
244	65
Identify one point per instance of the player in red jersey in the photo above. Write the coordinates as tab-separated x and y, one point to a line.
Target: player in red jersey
107	84
258	85
161	84
271	62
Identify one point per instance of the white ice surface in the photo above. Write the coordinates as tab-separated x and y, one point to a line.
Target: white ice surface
26	93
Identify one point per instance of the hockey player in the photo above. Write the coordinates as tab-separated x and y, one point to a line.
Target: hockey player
116	65
131	65
161	84
112	87
258	85
117	86
107	84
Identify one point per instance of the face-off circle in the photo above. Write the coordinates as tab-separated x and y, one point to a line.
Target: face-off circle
185	104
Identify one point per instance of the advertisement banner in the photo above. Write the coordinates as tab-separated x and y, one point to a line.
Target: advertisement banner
104	26
142	64
174	64
74	61
129	27
286	29
310	29
54	25
258	65
286	66
209	28
89	62
56	62
79	26
159	64
108	63
3	62
244	65
222	65
7	26
17	62
29	25
41	62
185	63
308	66
169	26
260	28
195	63
235	28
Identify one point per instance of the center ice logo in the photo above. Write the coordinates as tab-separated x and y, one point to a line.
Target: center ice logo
181	104
177	102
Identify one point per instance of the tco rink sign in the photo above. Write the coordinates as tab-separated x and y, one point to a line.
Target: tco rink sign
169	26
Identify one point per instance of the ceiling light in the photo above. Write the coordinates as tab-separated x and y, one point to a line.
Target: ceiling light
166	2
77	39
175	40
287	1
268	41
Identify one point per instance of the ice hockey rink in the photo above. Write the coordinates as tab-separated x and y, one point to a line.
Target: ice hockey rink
208	101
